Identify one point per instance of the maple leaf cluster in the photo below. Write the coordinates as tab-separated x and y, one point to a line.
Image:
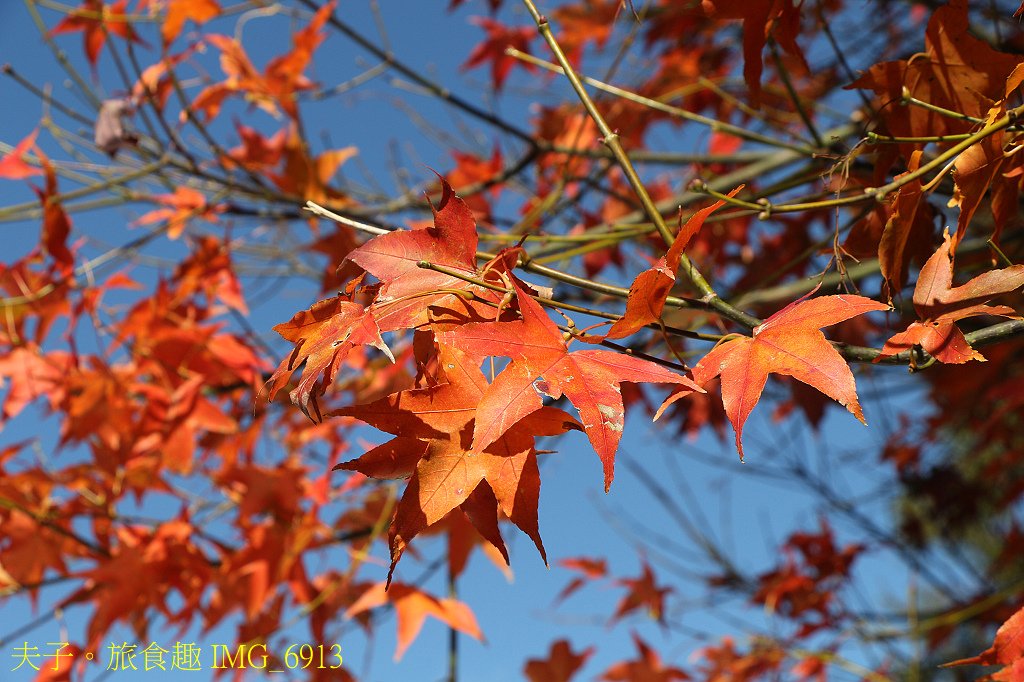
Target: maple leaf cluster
807	241
461	441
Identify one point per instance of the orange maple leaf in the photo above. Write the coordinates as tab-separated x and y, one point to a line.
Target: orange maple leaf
789	342
412	606
323	337
281	78
305	176
909	224
651	287
433	426
30	374
493	49
143	571
209	270
939	305
19	280
1007	650
185	204
591	21
974	171
155	82
179	11
408	290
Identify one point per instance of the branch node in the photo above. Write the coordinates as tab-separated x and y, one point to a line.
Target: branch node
875	193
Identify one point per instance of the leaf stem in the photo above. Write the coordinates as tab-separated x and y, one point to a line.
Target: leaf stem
62	57
611	139
529	265
995	247
878	139
560	305
713	124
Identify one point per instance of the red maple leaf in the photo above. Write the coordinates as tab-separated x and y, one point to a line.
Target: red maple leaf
493	5
724	662
407	289
789	342
643	593
589	569
939	305
651	287
472	172
451	242
588	378
957	72
560	665
13	166
96	19
647	666
56	223
281	78
257	153
493	49
330	329
433	426
761	19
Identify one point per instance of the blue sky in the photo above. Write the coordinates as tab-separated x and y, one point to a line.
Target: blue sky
749	513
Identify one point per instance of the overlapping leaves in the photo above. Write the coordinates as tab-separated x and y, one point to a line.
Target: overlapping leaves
460	440
940	305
